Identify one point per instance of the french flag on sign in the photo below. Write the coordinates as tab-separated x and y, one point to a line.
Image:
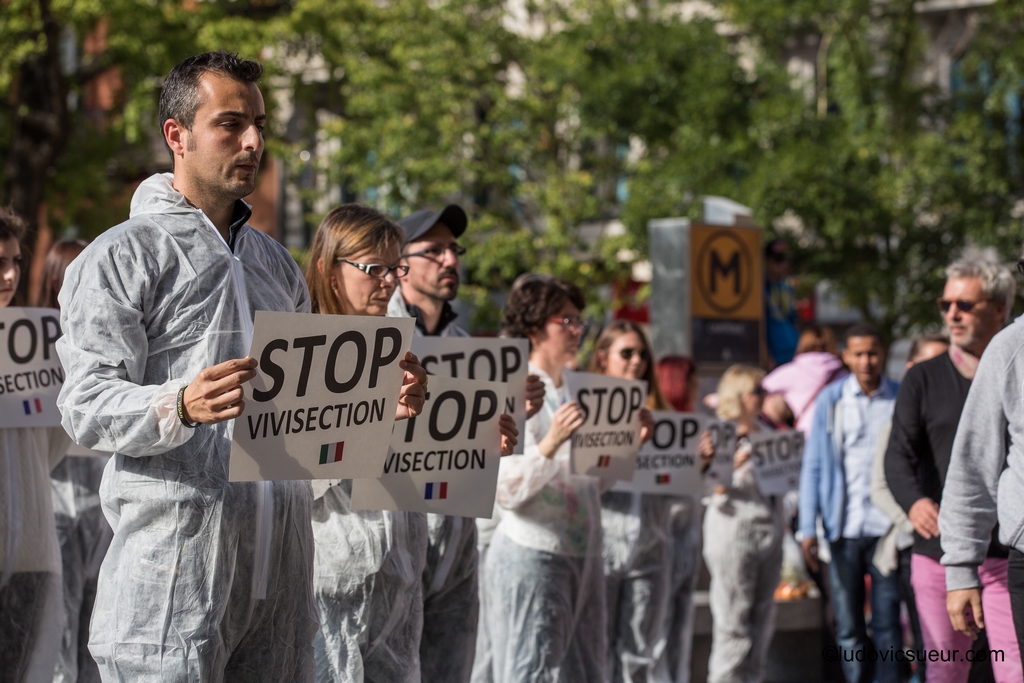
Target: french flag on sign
33	406
331	452
436	490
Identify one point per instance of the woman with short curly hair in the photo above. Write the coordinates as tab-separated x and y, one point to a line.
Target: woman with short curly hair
544	585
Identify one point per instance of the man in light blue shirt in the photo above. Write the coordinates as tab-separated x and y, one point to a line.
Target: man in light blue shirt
835	483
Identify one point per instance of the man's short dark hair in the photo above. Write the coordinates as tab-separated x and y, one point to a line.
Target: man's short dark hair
12	226
864	330
179	98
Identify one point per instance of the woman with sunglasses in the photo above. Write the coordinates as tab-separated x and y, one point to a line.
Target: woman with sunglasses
636	542
544	588
743	533
367	564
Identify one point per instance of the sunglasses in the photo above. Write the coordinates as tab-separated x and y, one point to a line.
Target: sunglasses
759	391
962	306
572	322
627	354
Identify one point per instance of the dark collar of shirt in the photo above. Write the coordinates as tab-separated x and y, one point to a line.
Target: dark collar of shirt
239	216
447	315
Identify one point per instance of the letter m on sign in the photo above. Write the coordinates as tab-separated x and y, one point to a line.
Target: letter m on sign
726	270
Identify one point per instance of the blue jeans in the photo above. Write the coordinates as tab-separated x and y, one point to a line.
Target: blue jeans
865	660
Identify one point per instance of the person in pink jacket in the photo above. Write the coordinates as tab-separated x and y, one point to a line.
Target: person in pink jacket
799	381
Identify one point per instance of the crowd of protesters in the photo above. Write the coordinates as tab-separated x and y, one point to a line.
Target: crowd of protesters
909	494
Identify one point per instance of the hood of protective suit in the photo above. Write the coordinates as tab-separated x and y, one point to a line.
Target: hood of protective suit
156	195
144	309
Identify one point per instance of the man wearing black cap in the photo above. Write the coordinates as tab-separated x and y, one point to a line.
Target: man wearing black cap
450	599
433	257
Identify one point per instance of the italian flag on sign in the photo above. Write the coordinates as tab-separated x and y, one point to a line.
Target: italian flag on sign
331	452
662	479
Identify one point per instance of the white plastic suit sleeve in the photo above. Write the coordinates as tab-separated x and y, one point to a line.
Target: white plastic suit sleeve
104	351
521	477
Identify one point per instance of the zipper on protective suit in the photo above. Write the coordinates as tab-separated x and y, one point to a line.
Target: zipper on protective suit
264	489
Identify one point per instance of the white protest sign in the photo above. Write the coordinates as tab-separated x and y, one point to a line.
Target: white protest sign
777	457
491	360
607	443
723	440
446	459
323	401
668	463
30	371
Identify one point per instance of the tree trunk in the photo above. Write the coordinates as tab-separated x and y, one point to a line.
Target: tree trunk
40	128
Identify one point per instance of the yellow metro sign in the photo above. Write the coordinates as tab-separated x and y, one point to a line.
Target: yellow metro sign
726	273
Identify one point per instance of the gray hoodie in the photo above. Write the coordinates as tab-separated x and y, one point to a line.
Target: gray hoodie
985	480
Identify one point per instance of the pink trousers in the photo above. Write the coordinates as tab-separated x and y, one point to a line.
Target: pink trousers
928	578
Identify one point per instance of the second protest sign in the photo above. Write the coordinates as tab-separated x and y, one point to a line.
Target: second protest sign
445	460
489	360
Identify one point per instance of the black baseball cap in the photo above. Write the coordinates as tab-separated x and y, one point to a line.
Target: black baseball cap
417	224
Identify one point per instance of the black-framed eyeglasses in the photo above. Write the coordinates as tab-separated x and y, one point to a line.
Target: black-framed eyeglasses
573	322
961	305
436	252
377	270
627	354
759	391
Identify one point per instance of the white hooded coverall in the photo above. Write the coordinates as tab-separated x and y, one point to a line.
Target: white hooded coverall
205	580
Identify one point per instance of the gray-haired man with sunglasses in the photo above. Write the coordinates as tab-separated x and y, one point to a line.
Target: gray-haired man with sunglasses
985	459
975	303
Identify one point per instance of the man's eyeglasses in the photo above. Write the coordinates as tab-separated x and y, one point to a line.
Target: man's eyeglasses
377	270
573	322
962	306
627	354
436	252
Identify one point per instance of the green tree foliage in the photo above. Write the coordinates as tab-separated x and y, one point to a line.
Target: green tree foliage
887	176
546	117
79	86
527	118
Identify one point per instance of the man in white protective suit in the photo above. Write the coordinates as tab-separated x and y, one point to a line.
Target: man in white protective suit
205	580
